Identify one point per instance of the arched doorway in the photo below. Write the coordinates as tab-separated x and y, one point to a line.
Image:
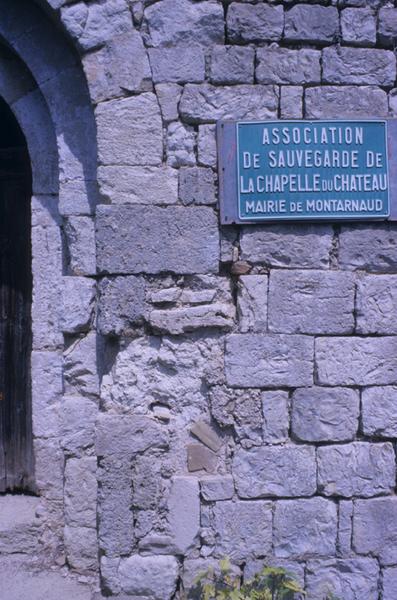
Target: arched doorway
16	452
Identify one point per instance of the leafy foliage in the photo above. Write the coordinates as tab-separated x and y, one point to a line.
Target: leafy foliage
270	583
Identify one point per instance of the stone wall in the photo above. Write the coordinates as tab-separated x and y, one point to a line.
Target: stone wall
227	390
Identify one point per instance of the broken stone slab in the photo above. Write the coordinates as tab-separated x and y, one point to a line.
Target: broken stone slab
206	434
200	458
182	320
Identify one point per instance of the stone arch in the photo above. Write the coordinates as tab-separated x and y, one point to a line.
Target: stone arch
43	83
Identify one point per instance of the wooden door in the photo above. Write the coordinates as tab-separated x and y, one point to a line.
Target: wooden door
16	456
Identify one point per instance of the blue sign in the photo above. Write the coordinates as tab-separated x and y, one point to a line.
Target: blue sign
306	170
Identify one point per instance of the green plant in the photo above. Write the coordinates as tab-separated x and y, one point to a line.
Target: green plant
270	583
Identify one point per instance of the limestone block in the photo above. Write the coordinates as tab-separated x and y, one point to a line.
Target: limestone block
252	303
206	146
358	26
121	305
305	527
80	236
216	487
127	435
47	299
311	301
109	574
275	416
182	240
130	131
153	577
184	513
379	411
197	185
115	517
359	66
181	141
303	246
369	247
78	416
203	103
138	185
81	492
93	25
168	95
286	471
387	26
177	64
254	360
49	464
321	414
78	304
284	65
46	392
347	579
376	304
335	102
390	583
242	529
254	23
375	528
232	64
311	23
81	548
80	366
175	21
356	361
345	528
108	72
77	197
357	469
291	102
240	408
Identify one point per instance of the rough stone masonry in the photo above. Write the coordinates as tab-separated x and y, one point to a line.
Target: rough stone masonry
225	390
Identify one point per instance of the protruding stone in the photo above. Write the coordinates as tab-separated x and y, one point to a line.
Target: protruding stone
78	304
335	102
359	66
285	65
206	435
